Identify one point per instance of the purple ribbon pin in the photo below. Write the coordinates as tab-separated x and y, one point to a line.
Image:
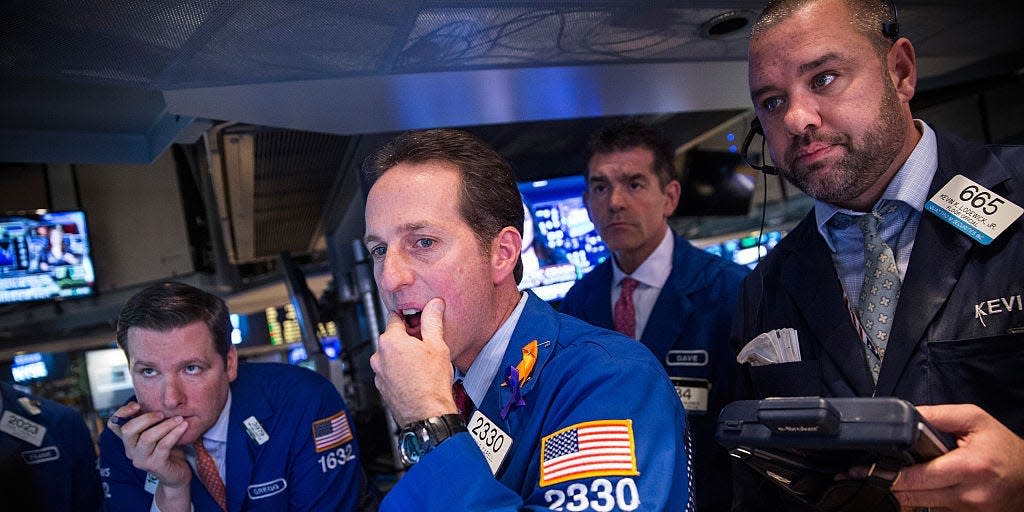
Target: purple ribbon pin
512	379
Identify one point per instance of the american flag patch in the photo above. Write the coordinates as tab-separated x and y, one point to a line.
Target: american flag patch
331	432
591	448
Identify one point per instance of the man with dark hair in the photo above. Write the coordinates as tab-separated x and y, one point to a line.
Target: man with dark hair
556	420
905	280
676	299
47	457
207	433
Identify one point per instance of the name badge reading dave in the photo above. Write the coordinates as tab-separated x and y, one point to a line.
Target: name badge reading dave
492	440
977	211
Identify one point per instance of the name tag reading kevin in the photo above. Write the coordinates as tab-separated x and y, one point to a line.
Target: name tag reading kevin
492	440
977	211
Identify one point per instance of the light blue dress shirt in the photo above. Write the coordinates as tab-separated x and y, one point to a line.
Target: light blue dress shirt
909	188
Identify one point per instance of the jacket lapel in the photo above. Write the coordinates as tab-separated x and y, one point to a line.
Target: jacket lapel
809	278
247	400
598	303
664	326
939	256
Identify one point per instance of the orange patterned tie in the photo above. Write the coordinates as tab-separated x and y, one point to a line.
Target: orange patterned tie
207	470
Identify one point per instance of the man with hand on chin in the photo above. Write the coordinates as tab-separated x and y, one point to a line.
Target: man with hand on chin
206	433
540	410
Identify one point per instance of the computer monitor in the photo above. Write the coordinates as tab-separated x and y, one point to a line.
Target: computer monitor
38	366
743	250
715	183
560	243
110	382
44	256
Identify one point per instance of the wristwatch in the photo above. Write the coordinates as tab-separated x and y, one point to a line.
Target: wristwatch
417	439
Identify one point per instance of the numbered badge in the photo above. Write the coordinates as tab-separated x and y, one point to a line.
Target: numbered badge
977	211
693	393
22	428
492	440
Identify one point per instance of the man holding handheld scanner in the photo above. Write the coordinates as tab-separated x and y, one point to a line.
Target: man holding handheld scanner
905	280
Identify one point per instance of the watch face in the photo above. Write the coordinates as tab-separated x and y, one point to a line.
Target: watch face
411	448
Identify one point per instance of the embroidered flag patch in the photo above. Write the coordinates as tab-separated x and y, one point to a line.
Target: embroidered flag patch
588	449
331	432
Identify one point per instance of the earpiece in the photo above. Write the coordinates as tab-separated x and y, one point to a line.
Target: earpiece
891	28
755	129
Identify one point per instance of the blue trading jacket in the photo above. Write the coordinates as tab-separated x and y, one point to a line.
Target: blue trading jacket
688	331
284	473
56	471
584	378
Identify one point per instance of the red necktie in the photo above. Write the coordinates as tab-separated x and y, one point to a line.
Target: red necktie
462	400
207	470
625	311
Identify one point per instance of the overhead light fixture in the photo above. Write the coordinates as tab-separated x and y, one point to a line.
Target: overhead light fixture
728	25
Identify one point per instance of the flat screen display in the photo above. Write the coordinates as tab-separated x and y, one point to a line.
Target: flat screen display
45	256
110	383
560	243
716	183
744	250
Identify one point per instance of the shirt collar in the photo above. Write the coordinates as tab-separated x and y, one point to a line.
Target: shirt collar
219	431
910	184
655	269
481	373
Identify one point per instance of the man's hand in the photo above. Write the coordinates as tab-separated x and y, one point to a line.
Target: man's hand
150	441
986	471
414	376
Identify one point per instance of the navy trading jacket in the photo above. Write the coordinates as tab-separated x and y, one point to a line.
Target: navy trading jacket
958	330
47	457
308	459
688	331
599	428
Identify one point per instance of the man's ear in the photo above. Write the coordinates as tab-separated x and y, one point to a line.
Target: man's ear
902	68
505	250
672	192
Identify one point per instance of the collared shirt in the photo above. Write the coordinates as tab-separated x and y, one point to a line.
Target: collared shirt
481	373
909	189
651	276
216	442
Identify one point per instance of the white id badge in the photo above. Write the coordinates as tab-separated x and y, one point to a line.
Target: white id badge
977	211
22	428
492	440
151	483
693	393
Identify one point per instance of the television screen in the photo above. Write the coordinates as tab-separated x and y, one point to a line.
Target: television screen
716	183
250	330
44	255
560	243
743	250
37	366
110	383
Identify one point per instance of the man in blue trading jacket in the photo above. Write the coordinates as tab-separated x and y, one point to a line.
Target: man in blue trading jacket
681	299
831	81
566	415
208	433
47	457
